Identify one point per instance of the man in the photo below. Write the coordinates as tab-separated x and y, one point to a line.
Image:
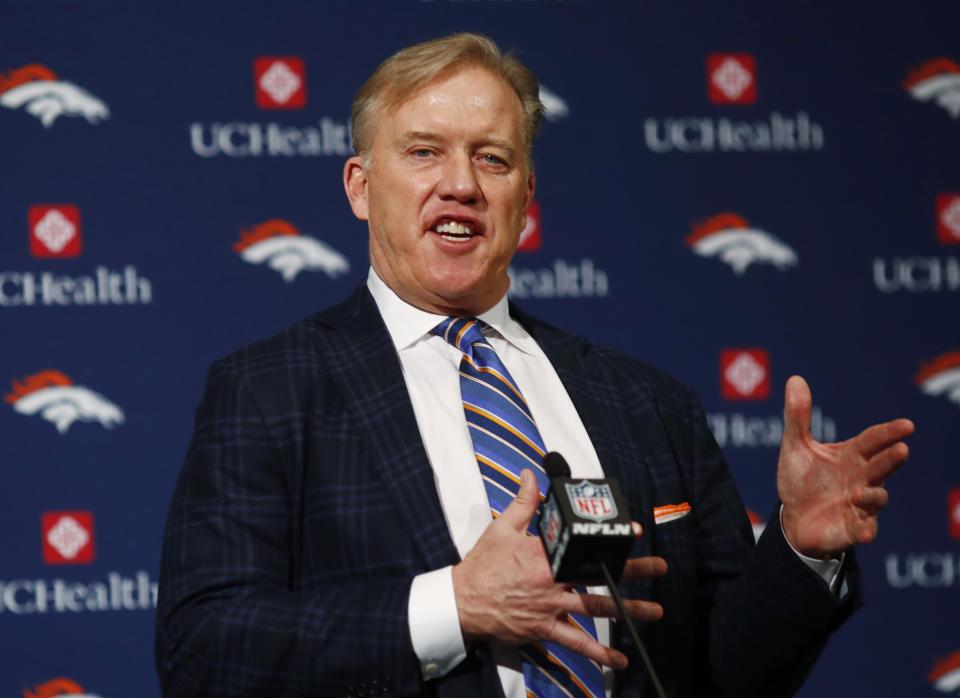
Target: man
331	532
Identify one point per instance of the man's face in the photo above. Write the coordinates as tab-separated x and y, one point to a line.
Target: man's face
446	193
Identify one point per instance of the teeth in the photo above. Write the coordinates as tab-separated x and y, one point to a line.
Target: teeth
454	228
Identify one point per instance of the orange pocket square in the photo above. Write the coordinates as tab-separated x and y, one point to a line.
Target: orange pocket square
670	512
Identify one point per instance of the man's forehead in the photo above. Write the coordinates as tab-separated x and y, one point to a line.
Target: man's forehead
484	90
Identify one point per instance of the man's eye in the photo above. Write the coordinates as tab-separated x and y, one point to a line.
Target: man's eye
422	153
494	160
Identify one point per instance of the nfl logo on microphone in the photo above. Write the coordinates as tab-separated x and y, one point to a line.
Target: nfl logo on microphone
592	501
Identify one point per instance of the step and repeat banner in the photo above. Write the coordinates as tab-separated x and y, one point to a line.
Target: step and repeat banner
733	193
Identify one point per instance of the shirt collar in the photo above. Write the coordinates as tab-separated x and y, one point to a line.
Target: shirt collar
407	324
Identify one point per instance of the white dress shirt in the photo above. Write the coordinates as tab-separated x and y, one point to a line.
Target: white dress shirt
430	368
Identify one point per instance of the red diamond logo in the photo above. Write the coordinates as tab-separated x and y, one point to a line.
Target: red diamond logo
54	230
280	82
67	537
948	219
530	239
953	512
731	78
745	374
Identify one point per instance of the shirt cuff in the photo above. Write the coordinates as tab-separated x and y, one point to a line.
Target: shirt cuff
829	570
435	623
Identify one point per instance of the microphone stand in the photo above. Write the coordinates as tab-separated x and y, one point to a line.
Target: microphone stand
615	593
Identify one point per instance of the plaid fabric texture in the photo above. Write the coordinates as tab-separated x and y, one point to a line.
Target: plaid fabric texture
306	505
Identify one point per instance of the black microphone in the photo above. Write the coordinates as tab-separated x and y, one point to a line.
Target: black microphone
584	524
585	529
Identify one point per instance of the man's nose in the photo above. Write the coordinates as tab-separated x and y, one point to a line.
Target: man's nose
458	180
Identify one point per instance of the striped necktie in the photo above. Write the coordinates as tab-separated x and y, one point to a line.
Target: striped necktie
506	440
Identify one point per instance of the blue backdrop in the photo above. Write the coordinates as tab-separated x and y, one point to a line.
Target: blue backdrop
774	187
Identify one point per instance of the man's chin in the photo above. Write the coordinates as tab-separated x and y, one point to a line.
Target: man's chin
467	299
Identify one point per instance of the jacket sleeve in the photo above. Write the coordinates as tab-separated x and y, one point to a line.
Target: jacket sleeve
231	618
768	614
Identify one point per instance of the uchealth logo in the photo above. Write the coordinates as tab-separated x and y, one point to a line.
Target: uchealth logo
37	89
945	675
280	82
278	244
115	592
54	230
530	239
731	78
948	219
940	377
729	238
936	81
58	688
53	396
924	570
67	537
565	278
745	374
746	377
925	273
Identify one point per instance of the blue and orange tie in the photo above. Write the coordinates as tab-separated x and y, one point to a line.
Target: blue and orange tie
506	440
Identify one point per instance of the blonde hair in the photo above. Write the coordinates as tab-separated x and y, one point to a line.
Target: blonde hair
399	77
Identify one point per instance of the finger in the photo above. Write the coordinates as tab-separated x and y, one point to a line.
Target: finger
878	437
871	499
600	606
885	463
636	528
519	513
644	568
867	532
797	405
580	642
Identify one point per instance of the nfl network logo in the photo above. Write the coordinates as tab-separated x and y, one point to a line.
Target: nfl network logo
948	219
731	78
745	374
54	230
67	537
280	82
592	501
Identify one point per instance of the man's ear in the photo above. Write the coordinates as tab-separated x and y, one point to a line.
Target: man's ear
528	197
355	184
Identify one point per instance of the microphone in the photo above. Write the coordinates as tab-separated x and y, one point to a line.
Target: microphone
584	525
585	529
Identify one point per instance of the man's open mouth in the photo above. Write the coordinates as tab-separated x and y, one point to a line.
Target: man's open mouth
456	231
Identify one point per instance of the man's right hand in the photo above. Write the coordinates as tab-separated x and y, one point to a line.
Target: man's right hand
506	593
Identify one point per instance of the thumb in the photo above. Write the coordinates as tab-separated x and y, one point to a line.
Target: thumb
798	403
520	511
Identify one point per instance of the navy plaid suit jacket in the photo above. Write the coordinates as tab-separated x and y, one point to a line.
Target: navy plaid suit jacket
306	505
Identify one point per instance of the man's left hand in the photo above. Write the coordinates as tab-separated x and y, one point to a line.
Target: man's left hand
832	492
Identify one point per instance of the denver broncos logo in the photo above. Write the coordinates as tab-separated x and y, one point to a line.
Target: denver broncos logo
945	675
941	376
58	688
278	244
53	396
756	523
936	81
554	106
729	237
37	89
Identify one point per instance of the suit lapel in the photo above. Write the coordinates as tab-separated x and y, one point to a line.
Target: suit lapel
598	401
364	365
